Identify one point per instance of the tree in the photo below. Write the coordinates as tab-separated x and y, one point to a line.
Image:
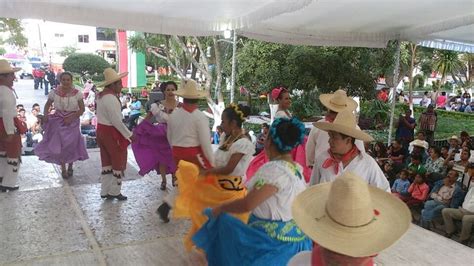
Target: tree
67	51
2	51
83	64
15	32
447	63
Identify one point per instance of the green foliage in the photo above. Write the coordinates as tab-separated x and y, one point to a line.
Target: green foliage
67	51
418	81
447	62
81	64
306	105
2	51
15	32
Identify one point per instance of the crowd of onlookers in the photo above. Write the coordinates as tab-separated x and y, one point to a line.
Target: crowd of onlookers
434	179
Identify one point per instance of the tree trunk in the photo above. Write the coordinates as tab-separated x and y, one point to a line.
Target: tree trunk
412	66
218	58
196	57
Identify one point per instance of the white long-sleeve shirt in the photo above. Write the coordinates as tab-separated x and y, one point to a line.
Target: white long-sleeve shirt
362	165
190	130
468	203
318	141
109	113
7	109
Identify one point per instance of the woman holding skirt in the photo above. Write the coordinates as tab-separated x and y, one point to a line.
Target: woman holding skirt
151	147
63	142
271	236
223	183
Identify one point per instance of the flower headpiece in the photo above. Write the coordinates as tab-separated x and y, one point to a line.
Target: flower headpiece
285	147
236	109
277	91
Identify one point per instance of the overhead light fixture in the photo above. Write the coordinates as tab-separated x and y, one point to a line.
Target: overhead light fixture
227	34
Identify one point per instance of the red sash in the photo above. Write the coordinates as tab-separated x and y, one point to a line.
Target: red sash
116	135
20	126
191	154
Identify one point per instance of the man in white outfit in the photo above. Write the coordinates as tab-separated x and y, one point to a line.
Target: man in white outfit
318	139
343	155
113	136
10	129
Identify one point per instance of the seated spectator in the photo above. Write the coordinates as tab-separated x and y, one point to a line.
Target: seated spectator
135	111
37	108
469	108
87	119
465	213
445	194
454	144
401	185
419	141
22	114
415	166
418	191
261	138
380	153
19	107
144	92
434	165
466	140
461	165
445	152
397	154
389	171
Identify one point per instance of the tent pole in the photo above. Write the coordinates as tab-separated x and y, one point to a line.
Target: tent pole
396	72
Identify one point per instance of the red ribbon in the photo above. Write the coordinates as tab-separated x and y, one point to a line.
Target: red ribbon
333	161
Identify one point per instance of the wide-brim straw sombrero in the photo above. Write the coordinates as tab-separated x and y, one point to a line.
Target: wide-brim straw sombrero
189	89
111	76
345	123
418	143
455	138
6	68
350	217
338	101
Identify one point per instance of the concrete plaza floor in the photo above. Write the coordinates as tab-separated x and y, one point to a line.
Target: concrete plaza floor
56	221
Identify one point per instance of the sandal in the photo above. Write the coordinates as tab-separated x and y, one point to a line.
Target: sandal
163	185
174	181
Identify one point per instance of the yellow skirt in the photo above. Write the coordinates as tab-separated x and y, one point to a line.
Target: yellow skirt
199	192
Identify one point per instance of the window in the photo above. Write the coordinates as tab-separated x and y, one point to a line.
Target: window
83	38
105	34
58	35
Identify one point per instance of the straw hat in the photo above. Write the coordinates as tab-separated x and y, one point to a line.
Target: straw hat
419	143
189	89
346	124
6	68
338	101
455	138
350	217
111	76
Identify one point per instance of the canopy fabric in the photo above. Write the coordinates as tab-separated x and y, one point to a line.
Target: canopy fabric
363	23
447	45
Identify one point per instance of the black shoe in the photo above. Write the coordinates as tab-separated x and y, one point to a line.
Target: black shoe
164	211
5	188
448	235
465	242
120	197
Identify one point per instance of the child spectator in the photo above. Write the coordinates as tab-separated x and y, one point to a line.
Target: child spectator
400	186
415	167
418	191
380	153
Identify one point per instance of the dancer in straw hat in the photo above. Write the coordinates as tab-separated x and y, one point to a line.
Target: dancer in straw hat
189	136
10	129
350	221
113	136
63	142
318	139
343	155
271	236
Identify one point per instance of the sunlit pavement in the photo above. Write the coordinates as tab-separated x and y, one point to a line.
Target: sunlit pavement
56	221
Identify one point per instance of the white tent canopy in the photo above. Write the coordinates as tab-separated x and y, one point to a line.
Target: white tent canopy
364	23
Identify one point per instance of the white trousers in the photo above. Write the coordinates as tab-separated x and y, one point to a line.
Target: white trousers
111	183
9	168
3	163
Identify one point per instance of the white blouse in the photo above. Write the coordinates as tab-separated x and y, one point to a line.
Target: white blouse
243	146
69	103
283	175
283	114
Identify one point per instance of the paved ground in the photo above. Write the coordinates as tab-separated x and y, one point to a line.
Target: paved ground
52	221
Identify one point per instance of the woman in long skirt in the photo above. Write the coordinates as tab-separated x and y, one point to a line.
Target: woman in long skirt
63	142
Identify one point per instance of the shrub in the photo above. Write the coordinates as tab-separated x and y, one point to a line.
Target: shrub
92	64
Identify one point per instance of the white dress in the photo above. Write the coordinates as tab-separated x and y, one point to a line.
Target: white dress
243	146
282	175
69	103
